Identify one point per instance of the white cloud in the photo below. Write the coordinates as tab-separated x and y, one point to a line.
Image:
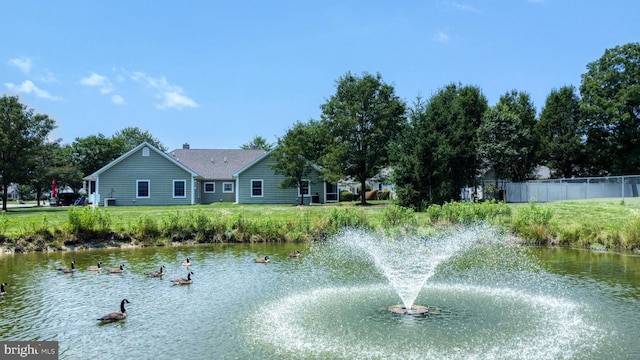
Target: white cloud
24	64
171	96
28	87
117	99
441	37
99	81
465	7
26	67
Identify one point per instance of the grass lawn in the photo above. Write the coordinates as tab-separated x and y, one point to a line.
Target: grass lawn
613	223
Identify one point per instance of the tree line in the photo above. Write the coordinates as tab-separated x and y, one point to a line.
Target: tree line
435	146
440	145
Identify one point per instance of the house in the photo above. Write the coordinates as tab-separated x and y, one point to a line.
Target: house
259	185
147	176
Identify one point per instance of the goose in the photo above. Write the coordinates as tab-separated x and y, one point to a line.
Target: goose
95	267
115	316
117	270
2	290
294	254
263	260
157	273
187	262
67	270
183	281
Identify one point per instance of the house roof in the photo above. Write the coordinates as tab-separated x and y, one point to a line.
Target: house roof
216	164
95	175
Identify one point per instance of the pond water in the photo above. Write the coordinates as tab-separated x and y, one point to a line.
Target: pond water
507	304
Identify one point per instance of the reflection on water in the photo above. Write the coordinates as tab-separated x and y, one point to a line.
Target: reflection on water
307	308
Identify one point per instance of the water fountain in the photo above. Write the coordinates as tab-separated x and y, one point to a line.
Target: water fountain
477	297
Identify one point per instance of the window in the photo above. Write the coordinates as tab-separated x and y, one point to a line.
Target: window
256	188
145	151
305	189
209	187
179	188
143	188
227	187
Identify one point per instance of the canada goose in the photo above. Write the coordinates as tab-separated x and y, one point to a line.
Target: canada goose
157	273
263	260
294	254
2	291
117	270
67	270
115	316
95	267
183	281
187	262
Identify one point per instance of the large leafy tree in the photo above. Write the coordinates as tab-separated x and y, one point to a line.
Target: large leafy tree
497	141
134	136
610	92
436	156
561	133
93	152
293	154
362	118
258	142
23	135
520	145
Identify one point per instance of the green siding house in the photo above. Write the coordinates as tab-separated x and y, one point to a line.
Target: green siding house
143	176
259	185
147	176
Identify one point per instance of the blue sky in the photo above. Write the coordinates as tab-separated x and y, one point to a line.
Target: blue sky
215	74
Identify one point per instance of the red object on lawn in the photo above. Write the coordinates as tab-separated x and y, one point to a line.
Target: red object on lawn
54	191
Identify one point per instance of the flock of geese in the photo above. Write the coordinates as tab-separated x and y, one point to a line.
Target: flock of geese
119	315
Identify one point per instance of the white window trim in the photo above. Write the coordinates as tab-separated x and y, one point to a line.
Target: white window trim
173	190
205	187
227	183
138	188
308	188
145	151
261	188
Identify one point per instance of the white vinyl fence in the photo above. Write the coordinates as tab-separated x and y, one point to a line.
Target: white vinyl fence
564	189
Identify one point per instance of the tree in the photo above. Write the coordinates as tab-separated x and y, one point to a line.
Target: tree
362	118
23	134
258	142
526	141
292	155
561	133
436	156
41	176
497	141
610	92
95	151
133	136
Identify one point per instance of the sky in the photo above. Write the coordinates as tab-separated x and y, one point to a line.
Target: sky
216	74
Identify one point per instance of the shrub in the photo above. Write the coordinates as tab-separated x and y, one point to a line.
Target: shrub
346	195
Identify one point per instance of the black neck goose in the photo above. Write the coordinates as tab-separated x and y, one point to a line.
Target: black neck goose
67	270
117	270
95	267
3	292
157	273
294	254
183	281
263	260
115	316
187	262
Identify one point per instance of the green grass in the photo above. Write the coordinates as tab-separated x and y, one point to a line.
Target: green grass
598	223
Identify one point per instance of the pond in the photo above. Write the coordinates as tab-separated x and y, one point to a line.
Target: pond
329	303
